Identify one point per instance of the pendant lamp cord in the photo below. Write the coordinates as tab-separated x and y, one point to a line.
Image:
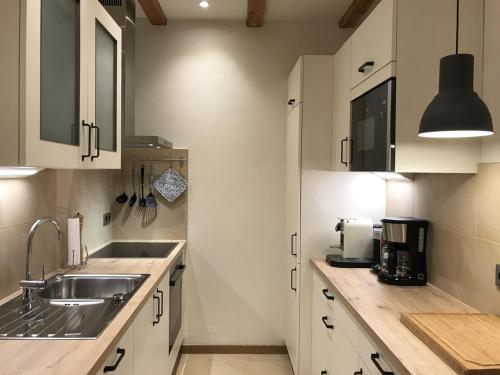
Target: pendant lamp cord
458	25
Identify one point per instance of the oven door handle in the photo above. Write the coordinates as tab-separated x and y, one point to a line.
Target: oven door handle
177	274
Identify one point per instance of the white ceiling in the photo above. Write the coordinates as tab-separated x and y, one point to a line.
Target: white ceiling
296	10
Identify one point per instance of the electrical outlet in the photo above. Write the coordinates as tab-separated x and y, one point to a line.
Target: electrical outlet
106	219
497	275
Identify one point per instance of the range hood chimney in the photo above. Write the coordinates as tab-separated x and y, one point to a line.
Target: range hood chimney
123	12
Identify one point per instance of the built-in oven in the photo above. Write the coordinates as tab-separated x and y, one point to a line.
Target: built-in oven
373	130
175	309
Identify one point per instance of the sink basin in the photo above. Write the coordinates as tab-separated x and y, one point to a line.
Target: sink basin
135	250
75	306
81	286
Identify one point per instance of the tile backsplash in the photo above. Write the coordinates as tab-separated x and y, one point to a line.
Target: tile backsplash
56	193
464	237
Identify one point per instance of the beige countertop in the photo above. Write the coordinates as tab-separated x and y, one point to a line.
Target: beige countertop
86	356
377	308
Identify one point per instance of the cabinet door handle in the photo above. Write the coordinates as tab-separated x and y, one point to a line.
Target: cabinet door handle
327	325
294	270
360	372
121	353
324	372
291	102
89	152
367	64
294	253
177	274
97	142
374	357
342	161
160	292
157	319
328	297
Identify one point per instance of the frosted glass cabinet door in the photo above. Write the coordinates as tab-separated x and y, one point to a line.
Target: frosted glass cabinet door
104	86
60	71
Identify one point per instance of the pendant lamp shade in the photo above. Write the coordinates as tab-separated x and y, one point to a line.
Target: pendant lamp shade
456	111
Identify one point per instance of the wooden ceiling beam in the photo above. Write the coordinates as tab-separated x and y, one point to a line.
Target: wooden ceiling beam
154	12
255	12
354	13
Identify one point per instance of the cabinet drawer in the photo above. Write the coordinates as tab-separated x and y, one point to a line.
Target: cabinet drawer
121	361
366	350
374	42
322	292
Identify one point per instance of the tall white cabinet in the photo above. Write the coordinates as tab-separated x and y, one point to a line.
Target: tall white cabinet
61	85
308	146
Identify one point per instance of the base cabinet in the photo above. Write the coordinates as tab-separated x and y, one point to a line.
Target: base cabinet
151	333
339	345
121	359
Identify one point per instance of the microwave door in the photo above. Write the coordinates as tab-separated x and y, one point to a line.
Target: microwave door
375	130
357	124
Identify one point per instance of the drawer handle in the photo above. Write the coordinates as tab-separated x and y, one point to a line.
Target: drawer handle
291	102
375	357
324	372
360	372
367	64
327	325
328	297
121	353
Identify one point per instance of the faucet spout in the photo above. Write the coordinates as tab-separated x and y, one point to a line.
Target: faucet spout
27	286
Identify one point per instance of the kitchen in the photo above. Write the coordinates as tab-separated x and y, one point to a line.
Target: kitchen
249	104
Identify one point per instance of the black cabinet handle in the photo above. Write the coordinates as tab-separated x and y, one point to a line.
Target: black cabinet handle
362	68
328	297
89	152
375	357
121	353
157	319
342	161
97	142
177	274
294	253
324	372
160	292
291	102
360	372
329	326
294	269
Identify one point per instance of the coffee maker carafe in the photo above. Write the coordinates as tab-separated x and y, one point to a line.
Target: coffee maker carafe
403	254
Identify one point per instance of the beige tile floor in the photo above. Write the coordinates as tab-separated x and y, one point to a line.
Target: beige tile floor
234	364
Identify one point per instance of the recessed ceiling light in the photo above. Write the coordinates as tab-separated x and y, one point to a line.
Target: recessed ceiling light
204	4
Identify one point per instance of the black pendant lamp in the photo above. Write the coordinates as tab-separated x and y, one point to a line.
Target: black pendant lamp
456	111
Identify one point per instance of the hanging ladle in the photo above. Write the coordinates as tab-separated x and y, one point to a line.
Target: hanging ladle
122	198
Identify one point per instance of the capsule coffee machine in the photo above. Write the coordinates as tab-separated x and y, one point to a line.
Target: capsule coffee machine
403	253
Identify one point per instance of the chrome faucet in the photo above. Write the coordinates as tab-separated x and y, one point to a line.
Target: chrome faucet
28	284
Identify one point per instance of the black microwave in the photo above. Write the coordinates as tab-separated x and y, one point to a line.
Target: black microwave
373	129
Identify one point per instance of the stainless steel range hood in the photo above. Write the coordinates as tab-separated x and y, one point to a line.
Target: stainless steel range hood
123	12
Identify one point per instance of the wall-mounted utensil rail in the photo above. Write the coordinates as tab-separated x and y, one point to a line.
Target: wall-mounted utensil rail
177	160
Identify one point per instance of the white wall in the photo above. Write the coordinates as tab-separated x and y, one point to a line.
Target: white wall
219	89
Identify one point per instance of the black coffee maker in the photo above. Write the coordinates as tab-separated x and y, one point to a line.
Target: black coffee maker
403	251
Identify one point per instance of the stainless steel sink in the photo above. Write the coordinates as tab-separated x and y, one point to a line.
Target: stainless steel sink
91	286
76	306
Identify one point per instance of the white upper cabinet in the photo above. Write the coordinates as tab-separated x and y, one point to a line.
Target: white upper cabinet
68	82
342	108
374	42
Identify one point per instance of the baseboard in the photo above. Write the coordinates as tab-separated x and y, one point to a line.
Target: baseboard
177	361
233	349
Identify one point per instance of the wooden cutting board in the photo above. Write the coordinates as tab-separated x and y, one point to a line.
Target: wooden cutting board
468	343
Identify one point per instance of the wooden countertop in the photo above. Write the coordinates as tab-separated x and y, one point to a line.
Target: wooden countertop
86	356
377	308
